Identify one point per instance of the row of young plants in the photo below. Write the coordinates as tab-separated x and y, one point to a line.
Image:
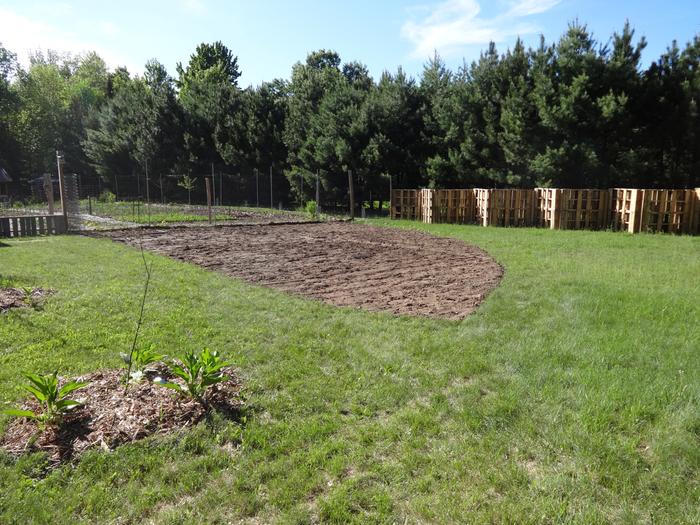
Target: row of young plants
197	371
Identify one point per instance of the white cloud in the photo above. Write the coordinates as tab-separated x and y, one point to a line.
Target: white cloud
196	7
109	28
23	35
531	7
453	24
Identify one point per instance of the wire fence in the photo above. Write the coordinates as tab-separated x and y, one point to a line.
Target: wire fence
138	199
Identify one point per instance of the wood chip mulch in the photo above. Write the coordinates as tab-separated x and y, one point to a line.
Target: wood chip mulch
17	298
109	417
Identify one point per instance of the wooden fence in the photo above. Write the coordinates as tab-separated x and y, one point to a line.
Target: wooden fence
567	209
32	225
631	210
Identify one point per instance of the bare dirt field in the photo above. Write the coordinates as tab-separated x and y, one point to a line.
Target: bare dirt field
378	269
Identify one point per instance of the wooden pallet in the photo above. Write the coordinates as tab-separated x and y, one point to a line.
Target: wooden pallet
405	204
667	211
32	225
505	207
645	210
626	209
695	212
572	209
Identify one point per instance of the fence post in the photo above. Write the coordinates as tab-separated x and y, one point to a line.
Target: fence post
318	195
48	189
352	195
62	187
391	196
208	186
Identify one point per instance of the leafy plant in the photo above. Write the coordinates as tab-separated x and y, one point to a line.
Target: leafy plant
53	400
139	360
198	371
187	183
107	197
29	299
310	208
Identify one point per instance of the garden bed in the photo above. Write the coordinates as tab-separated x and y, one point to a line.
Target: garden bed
18	298
344	264
109	417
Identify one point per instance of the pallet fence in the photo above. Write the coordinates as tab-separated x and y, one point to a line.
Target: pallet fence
625	209
32	225
567	209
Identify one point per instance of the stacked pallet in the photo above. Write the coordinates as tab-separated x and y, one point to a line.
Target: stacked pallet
695	215
447	206
569	209
632	210
670	211
405	205
505	207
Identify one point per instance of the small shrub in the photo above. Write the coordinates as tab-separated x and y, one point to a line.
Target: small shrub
53	400
107	197
198	372
310	208
139	361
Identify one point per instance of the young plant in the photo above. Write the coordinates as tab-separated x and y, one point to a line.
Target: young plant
139	360
29	298
53	400
198	372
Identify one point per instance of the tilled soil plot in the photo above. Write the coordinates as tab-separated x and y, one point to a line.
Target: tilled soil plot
378	269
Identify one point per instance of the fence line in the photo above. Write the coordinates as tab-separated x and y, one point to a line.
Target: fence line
32	225
625	209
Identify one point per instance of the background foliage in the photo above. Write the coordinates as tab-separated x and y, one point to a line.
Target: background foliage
573	113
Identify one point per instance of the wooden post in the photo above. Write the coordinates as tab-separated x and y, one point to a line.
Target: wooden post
301	190
555	210
213	185
62	188
352	195
391	196
48	189
148	196
318	195
271	202
257	189
208	185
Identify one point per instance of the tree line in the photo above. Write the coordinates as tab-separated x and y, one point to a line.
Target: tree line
573	113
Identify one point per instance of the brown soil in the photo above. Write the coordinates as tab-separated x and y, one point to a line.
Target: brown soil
379	269
17	298
109	418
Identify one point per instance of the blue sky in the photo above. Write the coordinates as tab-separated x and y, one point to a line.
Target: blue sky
270	36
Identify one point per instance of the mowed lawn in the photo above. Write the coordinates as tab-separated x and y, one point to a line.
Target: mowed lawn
572	395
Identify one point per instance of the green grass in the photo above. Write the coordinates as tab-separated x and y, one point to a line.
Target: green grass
164	213
572	395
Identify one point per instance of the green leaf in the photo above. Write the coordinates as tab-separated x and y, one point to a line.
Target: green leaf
35	392
16	412
67	403
171	386
70	387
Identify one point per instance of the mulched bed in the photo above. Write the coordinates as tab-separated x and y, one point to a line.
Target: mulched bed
17	298
109	418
